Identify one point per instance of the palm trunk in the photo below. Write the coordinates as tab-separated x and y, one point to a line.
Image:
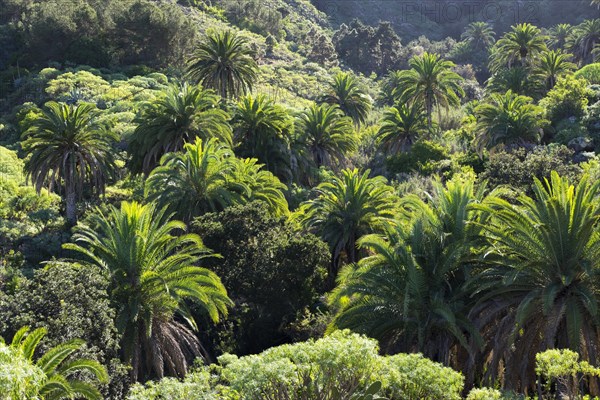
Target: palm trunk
429	110
71	206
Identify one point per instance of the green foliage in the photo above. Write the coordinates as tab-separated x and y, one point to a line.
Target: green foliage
484	394
68	145
401	126
507	119
224	62
548	244
346	92
417	266
206	178
152	272
61	298
590	72
518	47
272	271
346	209
568	99
60	370
326	133
181	115
19	378
517	168
563	367
425	157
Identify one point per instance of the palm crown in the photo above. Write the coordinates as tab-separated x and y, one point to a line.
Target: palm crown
225	63
153	272
69	146
346	92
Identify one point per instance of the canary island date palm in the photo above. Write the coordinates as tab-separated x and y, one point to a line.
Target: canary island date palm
262	130
411	291
519	80
346	209
153	268
180	115
326	133
542	286
508	119
347	93
479	35
62	370
584	38
224	62
431	82
401	126
559	35
69	150
519	47
553	64
206	177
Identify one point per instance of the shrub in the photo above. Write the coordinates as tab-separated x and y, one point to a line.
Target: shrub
568	99
591	72
484	394
425	157
19	378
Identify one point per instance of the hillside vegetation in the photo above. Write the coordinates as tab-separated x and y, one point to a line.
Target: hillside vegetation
294	200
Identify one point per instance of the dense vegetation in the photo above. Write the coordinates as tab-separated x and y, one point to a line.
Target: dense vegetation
285	199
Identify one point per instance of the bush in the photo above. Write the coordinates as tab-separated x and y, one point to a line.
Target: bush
484	394
568	99
518	167
590	72
19	378
425	157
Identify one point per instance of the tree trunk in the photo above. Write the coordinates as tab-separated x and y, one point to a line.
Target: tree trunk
71	207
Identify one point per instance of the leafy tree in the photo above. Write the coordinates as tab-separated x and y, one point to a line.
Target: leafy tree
262	130
326	133
183	113
71	302
430	82
207	178
479	34
583	40
410	292
346	209
60	373
552	64
152	273
273	270
508	119
540	290
69	146
401	126
224	62
347	93
519	47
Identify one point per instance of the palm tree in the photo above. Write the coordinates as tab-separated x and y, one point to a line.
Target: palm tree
411	291
326	132
388	88
262	130
430	82
552	64
519	47
541	289
479	35
559	35
69	147
508	119
347	93
183	113
208	178
519	80
401	126
346	209
62	371
153	271
584	38
225	63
